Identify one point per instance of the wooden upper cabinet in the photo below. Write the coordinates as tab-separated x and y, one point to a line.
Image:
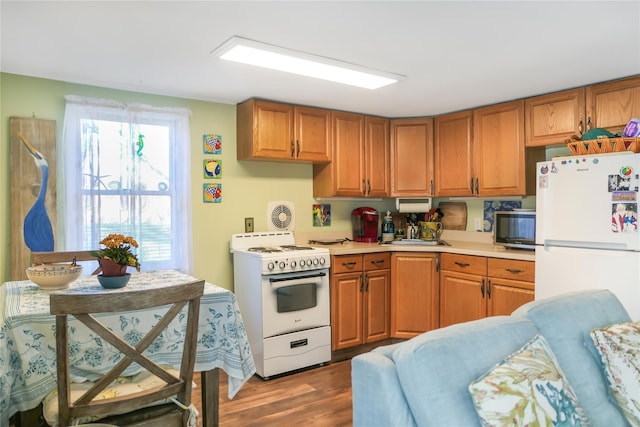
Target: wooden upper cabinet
312	128
454	154
412	157
360	166
554	118
274	131
611	105
376	155
498	133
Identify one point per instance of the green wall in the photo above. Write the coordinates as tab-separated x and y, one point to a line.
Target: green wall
247	186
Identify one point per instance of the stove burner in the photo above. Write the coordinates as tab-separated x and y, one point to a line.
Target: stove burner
295	248
264	249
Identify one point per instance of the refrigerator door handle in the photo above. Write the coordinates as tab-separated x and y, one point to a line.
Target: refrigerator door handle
585	245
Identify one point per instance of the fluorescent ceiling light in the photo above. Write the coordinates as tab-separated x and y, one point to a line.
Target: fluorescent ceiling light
276	58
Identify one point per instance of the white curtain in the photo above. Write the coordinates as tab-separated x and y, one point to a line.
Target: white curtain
126	169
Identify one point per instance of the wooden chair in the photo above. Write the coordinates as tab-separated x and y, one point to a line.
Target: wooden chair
50	257
83	307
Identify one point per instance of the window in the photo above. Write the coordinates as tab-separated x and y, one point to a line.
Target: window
126	170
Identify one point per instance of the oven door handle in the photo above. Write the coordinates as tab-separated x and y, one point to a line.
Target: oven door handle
298	280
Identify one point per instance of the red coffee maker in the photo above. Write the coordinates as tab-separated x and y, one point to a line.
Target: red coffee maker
364	222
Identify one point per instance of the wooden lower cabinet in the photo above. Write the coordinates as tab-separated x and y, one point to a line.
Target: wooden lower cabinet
414	293
360	296
473	287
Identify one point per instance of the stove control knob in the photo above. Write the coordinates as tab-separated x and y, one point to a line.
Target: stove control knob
322	261
282	265
302	263
270	266
293	264
315	261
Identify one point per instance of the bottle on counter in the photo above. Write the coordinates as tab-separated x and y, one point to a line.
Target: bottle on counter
387	228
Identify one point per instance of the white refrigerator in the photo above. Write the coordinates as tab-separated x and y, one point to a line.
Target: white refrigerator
587	233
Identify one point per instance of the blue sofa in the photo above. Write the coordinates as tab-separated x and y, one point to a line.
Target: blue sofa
424	381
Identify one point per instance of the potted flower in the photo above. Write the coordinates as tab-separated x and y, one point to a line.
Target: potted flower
117	256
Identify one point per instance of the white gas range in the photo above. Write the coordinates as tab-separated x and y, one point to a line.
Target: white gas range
283	294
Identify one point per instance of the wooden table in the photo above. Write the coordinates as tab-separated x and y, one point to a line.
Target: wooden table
27	343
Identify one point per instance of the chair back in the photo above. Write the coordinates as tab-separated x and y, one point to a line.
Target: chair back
68	256
84	308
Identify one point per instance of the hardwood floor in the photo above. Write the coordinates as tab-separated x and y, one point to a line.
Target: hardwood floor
315	397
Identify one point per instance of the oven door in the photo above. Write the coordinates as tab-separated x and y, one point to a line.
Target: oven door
295	301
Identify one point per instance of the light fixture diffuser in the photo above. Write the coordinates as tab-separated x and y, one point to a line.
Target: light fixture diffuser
273	57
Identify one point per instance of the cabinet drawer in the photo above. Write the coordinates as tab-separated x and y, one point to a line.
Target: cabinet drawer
464	264
346	263
512	269
377	261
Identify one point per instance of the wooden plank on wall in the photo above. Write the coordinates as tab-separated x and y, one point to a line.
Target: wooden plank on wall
26	182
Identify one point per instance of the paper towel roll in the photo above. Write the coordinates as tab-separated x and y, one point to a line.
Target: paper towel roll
413	205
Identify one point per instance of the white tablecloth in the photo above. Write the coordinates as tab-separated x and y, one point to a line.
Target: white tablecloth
27	343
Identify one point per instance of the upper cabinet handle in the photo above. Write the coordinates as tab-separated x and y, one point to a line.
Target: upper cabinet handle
298	144
293	149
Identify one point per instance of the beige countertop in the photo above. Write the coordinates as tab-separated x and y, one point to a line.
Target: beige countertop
464	243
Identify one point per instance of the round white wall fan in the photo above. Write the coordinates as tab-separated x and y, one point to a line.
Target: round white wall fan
281	216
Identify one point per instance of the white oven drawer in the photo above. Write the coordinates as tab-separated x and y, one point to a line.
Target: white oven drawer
296	350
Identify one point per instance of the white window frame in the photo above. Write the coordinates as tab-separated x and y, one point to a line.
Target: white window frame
71	192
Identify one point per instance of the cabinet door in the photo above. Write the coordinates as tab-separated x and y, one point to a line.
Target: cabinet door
412	157
462	297
265	131
414	294
312	134
504	296
348	134
611	105
499	141
377	290
453	151
554	118
346	310
376	153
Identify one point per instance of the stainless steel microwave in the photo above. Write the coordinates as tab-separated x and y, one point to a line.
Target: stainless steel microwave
515	229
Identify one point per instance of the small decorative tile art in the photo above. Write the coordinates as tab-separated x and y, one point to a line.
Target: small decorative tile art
321	215
490	206
212	168
212	144
212	193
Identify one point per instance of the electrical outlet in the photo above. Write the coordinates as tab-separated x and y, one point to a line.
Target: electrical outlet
248	225
478	224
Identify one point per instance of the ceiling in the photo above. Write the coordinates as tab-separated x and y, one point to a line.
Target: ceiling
455	54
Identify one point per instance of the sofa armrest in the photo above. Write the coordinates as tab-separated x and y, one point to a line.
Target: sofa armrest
378	399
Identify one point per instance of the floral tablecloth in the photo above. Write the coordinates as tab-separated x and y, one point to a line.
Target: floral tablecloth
27	340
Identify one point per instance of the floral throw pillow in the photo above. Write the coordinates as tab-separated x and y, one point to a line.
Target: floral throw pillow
527	388
619	349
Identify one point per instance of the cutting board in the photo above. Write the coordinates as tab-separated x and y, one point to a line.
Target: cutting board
455	215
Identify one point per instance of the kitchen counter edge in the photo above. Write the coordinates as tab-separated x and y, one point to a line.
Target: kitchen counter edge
457	247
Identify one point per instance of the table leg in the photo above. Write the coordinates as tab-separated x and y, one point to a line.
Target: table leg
210	397
30	418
